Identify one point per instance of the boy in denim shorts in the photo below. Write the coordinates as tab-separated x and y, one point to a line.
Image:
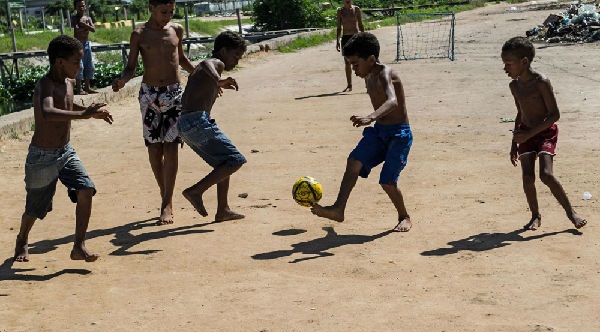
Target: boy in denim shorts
201	133
388	141
51	157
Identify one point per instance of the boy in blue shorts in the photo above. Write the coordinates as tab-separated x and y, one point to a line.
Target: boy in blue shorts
388	140
200	131
51	156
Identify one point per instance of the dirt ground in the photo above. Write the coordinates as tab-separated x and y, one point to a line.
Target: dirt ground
465	266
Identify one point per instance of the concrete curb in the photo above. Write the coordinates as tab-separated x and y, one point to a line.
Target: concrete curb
16	124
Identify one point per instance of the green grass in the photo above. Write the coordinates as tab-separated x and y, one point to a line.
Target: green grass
36	42
304	42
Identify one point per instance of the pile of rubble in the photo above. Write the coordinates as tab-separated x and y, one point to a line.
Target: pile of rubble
579	23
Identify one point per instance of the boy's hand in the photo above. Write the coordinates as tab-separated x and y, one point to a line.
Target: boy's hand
520	136
95	111
228	83
118	84
514	157
359	121
337	46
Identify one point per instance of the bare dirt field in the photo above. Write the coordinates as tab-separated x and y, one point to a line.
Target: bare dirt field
465	266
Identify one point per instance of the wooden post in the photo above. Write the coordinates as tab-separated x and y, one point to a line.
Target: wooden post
62	22
239	18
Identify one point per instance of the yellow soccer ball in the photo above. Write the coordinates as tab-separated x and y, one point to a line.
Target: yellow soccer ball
307	191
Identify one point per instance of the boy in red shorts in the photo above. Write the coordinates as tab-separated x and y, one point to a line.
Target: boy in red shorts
535	132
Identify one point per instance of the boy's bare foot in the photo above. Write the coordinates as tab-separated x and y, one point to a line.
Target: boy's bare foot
404	225
534	223
329	212
21	251
80	253
577	221
228	215
81	93
348	88
196	201
166	215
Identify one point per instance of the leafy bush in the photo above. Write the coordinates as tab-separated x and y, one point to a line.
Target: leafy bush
287	14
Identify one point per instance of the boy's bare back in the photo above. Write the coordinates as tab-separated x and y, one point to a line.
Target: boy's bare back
160	50
380	84
203	86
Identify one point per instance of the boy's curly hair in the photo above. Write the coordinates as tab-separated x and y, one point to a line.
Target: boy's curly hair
230	40
63	47
520	47
363	45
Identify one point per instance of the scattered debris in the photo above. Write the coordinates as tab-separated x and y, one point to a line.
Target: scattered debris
580	23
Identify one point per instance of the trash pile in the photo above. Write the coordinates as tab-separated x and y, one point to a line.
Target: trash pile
579	23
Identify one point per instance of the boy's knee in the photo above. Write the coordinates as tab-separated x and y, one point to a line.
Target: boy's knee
546	178
85	193
528	178
353	165
388	186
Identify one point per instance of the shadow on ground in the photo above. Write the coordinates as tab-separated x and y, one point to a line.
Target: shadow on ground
124	239
489	241
318	247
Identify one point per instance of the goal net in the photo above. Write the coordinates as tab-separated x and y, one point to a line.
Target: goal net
424	36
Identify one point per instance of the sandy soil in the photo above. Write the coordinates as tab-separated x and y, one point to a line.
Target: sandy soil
465	266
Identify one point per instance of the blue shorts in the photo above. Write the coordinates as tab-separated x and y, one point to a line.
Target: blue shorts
87	63
389	144
43	168
201	133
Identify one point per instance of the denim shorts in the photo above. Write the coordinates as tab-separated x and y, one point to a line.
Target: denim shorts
43	168
87	63
389	144
203	136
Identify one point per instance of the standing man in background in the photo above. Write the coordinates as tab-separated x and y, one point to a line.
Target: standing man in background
82	25
349	19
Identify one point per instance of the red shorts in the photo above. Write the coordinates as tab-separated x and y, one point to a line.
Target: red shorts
544	142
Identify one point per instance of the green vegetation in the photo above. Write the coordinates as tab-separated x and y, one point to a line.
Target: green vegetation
304	42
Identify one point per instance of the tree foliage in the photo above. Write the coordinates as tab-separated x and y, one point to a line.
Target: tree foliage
287	14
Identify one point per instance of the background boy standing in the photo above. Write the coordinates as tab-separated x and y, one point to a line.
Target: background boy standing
160	43
82	25
535	133
51	156
201	133
388	141
349	19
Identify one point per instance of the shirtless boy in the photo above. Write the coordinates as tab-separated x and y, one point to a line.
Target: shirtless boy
535	133
388	141
160	43
51	157
349	19
82	25
200	131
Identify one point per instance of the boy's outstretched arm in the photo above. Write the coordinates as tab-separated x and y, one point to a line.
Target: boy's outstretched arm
129	70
